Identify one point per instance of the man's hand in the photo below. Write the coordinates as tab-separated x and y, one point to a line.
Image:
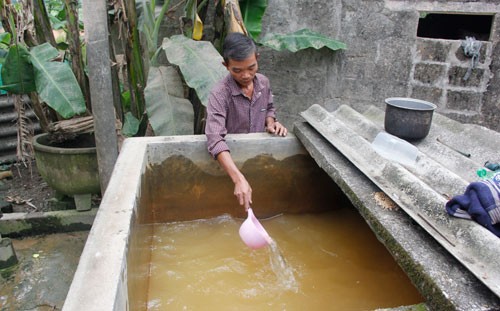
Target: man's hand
274	127
243	193
242	189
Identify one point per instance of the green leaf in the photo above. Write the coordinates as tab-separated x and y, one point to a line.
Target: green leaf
56	23
3	55
300	40
62	45
5	38
17	71
252	12
199	62
55	82
146	22
190	15
168	112
125	95
149	25
131	125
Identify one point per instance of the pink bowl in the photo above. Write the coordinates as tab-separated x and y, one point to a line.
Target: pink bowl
252	232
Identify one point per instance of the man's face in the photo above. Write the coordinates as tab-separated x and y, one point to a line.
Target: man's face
243	71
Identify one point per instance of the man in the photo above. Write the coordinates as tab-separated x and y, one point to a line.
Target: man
242	102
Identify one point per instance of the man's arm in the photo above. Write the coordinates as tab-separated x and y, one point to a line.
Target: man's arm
242	189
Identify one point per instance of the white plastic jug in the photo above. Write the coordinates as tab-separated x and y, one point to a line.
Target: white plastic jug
395	149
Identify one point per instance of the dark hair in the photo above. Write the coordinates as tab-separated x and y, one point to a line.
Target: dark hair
238	47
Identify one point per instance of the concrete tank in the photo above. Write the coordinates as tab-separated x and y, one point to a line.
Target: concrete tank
149	185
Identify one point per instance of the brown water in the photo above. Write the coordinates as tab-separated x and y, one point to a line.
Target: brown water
327	261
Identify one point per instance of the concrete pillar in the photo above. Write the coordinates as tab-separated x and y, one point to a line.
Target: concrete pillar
95	18
8	256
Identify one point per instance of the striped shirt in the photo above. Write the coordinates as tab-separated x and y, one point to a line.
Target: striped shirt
230	111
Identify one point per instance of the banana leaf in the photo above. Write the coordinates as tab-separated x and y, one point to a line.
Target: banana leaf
199	62
149	24
55	82
5	40
168	112
131	125
300	40
197	28
252	12
17	71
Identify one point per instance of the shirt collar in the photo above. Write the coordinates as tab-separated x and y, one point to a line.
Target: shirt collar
236	90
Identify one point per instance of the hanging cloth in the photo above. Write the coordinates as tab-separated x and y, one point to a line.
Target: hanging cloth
471	49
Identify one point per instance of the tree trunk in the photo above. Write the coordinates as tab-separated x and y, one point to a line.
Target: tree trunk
233	19
43	30
77	64
39	111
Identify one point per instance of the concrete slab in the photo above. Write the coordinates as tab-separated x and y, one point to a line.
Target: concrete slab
28	224
426	266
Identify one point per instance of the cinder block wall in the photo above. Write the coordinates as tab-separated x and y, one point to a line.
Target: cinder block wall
438	72
385	58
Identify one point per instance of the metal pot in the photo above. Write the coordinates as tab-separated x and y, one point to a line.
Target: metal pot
408	118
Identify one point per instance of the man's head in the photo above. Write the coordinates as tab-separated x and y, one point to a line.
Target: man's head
238	47
240	58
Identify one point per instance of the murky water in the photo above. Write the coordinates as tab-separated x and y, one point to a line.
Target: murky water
325	261
285	275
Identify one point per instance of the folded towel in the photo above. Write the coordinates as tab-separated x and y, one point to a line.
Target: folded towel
480	202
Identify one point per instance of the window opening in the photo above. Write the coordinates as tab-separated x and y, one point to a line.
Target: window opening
454	26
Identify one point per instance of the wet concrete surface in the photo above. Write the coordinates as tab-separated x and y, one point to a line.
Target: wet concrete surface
44	273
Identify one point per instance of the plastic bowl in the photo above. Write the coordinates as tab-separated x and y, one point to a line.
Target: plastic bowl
252	233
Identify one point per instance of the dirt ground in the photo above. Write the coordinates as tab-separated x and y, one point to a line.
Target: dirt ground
26	190
41	279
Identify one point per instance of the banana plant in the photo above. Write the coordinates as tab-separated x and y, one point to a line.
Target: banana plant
149	25
201	64
252	12
17	71
56	83
169	113
39	69
26	71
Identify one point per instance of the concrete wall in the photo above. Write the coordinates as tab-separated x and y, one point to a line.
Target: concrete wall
385	58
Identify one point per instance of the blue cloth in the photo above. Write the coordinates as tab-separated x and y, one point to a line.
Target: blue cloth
480	202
